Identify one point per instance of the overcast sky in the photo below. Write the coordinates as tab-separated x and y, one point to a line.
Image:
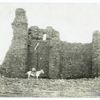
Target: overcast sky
76	22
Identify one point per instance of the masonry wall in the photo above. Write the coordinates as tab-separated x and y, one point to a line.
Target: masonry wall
76	60
54	59
14	64
96	54
39	57
57	58
46	55
61	59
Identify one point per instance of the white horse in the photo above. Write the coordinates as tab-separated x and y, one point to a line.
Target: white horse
35	74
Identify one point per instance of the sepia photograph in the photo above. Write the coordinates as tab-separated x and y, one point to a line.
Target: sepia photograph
50	50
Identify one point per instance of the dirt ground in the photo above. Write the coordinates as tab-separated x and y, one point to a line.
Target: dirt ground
10	87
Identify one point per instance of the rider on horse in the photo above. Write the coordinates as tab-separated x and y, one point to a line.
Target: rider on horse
33	71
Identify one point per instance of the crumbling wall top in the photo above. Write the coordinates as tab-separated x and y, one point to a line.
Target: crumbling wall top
20	12
38	33
95	33
20	16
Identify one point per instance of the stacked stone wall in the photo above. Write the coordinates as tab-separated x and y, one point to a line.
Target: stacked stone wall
57	58
76	60
96	54
39	57
14	64
54	59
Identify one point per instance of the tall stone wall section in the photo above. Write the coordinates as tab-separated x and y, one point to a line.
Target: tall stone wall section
54	49
76	60
38	50
39	57
14	64
96	54
45	55
54	59
58	59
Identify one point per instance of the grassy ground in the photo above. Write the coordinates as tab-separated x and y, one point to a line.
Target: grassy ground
10	87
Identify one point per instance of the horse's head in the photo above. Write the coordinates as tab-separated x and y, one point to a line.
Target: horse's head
42	71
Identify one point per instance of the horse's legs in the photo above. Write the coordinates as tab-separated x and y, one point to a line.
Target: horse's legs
28	76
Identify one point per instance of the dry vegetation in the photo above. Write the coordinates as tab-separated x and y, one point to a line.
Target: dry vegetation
10	87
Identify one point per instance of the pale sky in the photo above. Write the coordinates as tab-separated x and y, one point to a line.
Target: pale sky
76	22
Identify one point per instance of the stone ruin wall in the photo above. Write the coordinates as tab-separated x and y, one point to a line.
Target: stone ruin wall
96	54
14	64
76	60
45	55
57	58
